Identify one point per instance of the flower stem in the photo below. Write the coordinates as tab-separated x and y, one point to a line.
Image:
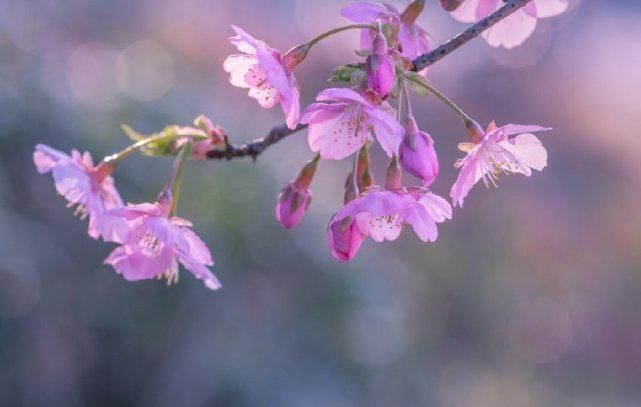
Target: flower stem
175	181
337	30
448	102
115	159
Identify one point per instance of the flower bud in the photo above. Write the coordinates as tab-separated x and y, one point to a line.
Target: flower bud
344	239
451	5
417	154
292	203
295	56
393	178
380	66
295	198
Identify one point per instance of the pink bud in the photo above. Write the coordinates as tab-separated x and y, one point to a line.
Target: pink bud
292	203
295	56
344	239
393	177
417	154
380	66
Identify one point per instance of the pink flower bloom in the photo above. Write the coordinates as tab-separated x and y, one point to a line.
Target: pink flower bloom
261	69
344	239
381	214
341	128
498	153
380	68
515	29
292	203
417	154
90	188
152	245
413	40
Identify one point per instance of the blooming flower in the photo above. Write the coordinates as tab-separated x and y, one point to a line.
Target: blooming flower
380	66
497	153
87	187
417	154
381	213
261	69
152	245
341	128
413	40
515	29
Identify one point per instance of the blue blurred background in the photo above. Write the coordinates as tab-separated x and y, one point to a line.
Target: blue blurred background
530	297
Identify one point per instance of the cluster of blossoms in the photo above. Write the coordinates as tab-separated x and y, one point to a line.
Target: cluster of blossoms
372	107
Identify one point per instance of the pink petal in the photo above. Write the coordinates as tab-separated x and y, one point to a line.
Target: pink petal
46	158
512	31
341	95
379	228
510	129
550	8
465	181
437	207
238	66
528	151
388	131
363	12
338	133
421	221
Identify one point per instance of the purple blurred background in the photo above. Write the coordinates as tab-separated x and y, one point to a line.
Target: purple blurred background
530	297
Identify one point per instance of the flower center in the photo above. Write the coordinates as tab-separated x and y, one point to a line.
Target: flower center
150	245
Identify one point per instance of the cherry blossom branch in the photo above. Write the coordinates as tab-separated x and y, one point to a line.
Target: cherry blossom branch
466	36
255	147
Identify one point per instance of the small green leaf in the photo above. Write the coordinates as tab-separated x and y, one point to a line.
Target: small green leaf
352	74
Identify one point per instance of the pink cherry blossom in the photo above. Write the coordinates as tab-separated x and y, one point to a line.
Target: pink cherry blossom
413	40
497	153
344	239
515	29
260	69
417	154
153	244
381	213
341	128
379	66
90	188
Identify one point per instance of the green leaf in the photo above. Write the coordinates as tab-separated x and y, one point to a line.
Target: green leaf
352	74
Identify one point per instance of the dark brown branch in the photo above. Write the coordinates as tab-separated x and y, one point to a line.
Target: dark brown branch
474	31
254	147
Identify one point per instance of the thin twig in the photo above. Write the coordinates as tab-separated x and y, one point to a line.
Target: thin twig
256	146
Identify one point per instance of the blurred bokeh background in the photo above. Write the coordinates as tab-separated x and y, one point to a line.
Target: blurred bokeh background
530	297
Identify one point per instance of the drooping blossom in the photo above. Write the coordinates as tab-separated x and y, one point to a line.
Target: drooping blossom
266	74
152	245
340	128
88	187
417	154
413	40
379	66
516	28
496	153
381	213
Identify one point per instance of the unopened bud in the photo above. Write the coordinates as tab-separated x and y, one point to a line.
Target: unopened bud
294	199
380	66
295	56
417	154
344	239
393	178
